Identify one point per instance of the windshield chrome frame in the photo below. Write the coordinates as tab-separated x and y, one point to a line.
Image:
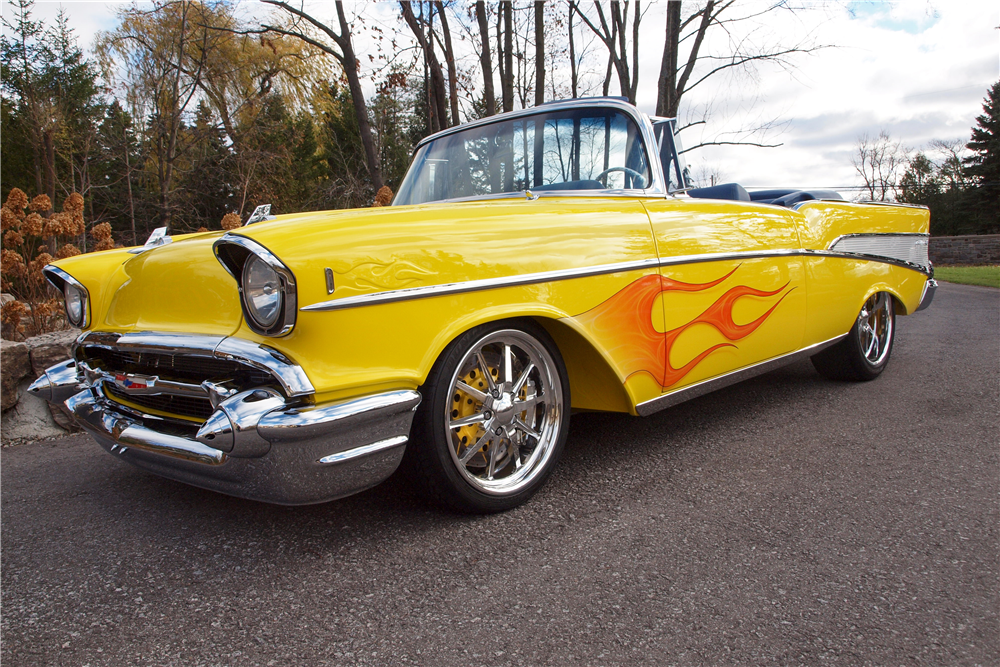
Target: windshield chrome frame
650	146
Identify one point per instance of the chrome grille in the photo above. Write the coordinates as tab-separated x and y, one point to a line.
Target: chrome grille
187	406
190	369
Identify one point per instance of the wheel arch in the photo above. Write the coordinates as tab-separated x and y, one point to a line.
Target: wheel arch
594	384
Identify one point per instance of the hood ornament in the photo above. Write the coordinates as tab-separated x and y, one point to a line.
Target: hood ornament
260	214
157	238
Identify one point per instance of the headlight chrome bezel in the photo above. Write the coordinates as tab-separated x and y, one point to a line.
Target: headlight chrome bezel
234	253
64	284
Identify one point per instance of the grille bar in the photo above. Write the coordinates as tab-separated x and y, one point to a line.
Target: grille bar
187	369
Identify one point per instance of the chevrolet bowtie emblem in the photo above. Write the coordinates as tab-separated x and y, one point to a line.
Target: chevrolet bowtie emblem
134	382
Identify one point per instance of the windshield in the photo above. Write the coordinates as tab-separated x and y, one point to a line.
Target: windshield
577	149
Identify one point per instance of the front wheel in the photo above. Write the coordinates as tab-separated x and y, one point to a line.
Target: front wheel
494	418
864	353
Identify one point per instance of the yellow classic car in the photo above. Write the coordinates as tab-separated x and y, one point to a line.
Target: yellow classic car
532	264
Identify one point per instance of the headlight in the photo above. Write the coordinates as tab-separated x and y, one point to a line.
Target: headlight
75	304
75	295
267	287
262	291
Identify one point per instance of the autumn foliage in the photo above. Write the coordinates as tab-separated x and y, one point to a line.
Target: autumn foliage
34	236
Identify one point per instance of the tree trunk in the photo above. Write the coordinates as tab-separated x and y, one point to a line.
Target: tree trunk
49	154
438	92
449	58
666	88
358	98
539	52
507	83
573	74
485	61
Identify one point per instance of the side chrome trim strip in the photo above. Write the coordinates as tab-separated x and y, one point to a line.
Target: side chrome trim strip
706	386
408	293
364	450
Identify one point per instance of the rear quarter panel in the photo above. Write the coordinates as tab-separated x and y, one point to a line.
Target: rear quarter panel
837	286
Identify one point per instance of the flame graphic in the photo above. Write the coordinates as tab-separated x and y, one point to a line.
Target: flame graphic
626	320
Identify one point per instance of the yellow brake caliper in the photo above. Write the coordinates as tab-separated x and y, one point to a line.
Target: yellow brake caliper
464	405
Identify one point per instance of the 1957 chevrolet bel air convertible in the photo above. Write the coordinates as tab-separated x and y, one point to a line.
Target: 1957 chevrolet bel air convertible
532	264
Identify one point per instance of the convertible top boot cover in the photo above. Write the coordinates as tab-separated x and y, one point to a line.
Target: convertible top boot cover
731	191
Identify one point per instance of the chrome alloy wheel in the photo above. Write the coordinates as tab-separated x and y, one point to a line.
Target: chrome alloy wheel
505	412
874	328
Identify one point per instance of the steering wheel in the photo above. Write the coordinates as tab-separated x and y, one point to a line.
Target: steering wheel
638	180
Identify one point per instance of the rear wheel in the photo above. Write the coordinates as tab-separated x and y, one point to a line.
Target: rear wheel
864	353
494	418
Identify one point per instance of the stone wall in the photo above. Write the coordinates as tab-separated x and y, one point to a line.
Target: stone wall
975	249
27	417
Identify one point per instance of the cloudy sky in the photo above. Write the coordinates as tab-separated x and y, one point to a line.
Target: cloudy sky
918	69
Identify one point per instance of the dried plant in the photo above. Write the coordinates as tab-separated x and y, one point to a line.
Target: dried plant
30	230
231	221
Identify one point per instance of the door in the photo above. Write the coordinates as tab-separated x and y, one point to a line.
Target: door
732	290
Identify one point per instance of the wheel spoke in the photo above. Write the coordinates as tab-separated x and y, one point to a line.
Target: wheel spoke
474	449
524	428
493	459
524	378
471	391
477	418
527	404
508	365
485	370
872	344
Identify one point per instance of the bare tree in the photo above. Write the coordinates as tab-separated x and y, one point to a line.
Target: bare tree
439	97
449	59
539	52
342	49
507	57
746	49
485	59
878	160
614	31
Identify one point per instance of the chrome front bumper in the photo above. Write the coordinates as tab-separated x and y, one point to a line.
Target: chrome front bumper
305	455
257	444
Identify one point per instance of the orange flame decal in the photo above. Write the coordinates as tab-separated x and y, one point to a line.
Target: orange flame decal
625	321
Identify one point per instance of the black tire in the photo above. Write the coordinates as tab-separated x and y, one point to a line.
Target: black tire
864	353
470	448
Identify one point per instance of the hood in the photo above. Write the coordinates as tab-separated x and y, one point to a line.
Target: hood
178	287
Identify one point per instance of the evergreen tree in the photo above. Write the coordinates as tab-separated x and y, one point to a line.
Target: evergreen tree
984	165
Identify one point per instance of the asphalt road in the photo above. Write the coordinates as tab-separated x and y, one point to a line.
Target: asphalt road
788	520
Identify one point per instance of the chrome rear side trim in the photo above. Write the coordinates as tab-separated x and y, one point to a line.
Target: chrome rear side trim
911	248
707	386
